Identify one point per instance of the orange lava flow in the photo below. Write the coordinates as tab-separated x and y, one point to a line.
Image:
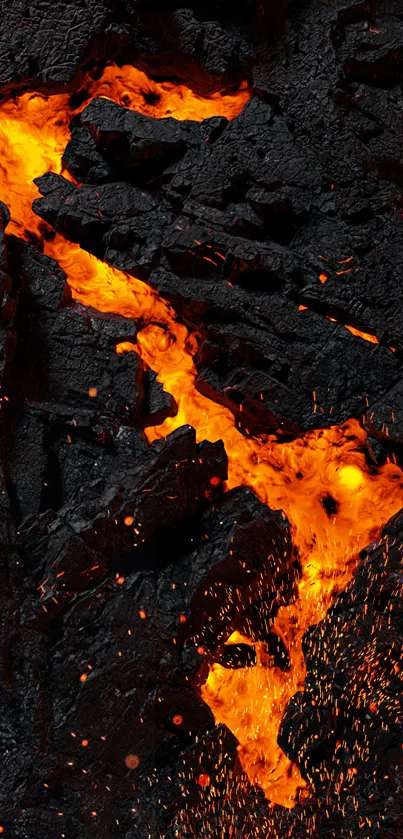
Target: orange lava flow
295	477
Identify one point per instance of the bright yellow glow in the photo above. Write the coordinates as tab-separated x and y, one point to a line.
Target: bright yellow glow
351	477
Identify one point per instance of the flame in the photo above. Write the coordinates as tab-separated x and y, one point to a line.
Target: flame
296	477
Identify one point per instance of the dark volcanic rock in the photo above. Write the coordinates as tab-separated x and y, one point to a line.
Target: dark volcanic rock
297	371
263	215
84	160
39	40
104	621
270	157
85	214
275	367
67	382
8	303
165	485
116	221
346	728
212	52
132	139
245	563
66	353
158	404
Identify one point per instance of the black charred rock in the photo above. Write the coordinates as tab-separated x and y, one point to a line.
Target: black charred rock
84	160
111	632
8	303
190	249
277	651
271	156
4	220
158	403
121	510
245	558
279	396
86	214
117	222
134	139
236	656
70	454
66	352
348	719
135	245
67	386
213	52
49	54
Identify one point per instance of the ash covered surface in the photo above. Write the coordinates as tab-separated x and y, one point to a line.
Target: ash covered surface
108	545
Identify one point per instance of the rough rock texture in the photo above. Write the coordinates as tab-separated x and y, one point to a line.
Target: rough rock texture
46	40
346	728
107	586
7	302
67	383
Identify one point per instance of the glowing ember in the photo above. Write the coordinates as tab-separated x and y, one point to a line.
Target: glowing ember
125	346
132	761
365	335
295	477
204	781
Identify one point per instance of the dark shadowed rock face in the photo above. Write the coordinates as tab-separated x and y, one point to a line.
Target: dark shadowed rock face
73	402
124	567
346	728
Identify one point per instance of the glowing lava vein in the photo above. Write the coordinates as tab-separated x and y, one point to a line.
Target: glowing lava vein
294	477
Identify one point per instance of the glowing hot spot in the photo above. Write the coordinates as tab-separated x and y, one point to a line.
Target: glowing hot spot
125	346
132	761
351	477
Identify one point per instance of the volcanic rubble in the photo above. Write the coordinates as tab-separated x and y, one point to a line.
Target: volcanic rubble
124	564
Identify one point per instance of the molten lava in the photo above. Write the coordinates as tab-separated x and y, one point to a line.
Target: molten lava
296	477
